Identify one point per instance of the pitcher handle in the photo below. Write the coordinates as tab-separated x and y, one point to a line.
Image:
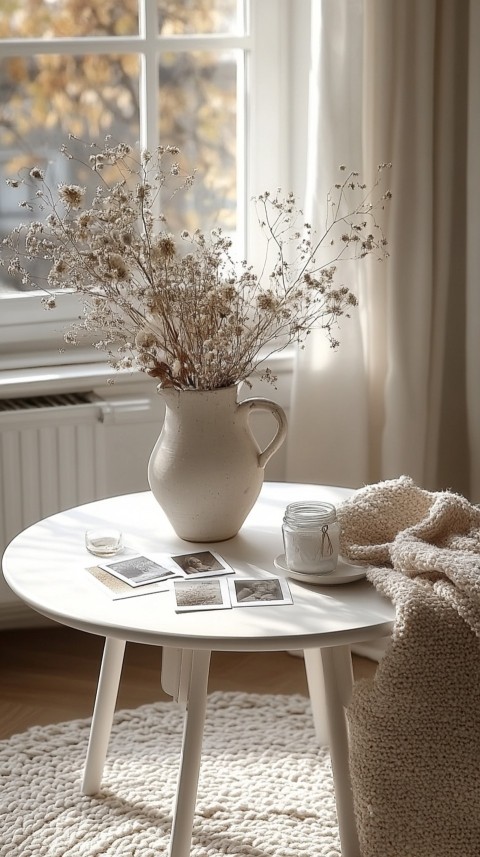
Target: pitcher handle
279	414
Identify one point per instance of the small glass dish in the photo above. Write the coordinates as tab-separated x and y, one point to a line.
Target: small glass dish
104	541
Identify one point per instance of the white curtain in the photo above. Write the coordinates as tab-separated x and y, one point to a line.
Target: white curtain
399	81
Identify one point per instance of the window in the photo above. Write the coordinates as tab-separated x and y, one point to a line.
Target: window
208	76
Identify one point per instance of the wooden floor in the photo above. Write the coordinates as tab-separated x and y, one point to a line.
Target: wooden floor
48	675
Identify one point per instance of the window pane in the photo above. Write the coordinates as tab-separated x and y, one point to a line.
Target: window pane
198	108
198	16
46	98
62	18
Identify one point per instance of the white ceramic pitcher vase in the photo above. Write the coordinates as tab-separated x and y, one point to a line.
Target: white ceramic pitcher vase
206	469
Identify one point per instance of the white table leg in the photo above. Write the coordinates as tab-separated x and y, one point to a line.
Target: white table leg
337	675
103	714
316	690
184	809
176	672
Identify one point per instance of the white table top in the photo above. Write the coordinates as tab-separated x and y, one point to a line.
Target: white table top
45	566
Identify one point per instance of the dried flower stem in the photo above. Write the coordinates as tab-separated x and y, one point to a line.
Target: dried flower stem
180	308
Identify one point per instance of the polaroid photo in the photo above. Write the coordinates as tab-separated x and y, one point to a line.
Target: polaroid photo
138	570
201	564
118	590
256	592
200	595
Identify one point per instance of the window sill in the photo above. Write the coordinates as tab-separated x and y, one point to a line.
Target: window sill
52	376
61	379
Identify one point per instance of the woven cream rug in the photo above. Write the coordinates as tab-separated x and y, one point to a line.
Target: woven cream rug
265	786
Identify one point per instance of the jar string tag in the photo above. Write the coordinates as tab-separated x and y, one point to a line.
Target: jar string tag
327	547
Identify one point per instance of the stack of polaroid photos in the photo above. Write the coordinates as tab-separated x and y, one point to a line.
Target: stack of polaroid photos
201	580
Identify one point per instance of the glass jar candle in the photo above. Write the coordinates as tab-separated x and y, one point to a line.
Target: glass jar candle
311	537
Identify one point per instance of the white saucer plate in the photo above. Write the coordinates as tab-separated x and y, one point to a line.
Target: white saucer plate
344	573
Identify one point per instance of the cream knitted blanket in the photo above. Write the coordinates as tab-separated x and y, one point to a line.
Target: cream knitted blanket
415	728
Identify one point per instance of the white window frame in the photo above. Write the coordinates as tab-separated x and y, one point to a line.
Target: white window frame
31	336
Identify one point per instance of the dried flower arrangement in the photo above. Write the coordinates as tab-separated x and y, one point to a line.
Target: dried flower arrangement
179	307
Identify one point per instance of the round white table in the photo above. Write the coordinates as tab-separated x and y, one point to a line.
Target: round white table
46	567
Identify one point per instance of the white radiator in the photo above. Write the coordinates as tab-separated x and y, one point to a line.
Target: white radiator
52	457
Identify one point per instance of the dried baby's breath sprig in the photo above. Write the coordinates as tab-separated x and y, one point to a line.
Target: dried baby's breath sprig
180	308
